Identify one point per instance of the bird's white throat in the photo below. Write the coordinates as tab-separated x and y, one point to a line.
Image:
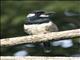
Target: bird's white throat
37	28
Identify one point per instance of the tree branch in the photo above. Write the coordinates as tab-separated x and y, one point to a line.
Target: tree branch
40	37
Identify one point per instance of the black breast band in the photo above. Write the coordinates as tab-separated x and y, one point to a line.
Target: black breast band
30	23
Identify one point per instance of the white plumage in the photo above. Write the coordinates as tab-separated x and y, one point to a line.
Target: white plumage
30	15
40	28
44	15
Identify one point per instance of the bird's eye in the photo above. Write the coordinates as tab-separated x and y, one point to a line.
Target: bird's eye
30	15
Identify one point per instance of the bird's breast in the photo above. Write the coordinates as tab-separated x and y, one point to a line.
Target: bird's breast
37	28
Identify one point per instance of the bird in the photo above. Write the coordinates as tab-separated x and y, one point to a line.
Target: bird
40	22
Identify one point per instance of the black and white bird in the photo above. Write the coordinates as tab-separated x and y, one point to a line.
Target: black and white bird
39	22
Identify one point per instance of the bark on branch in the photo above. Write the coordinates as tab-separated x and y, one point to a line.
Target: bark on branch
40	37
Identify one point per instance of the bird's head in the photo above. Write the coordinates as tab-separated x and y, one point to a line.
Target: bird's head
38	13
36	17
35	14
